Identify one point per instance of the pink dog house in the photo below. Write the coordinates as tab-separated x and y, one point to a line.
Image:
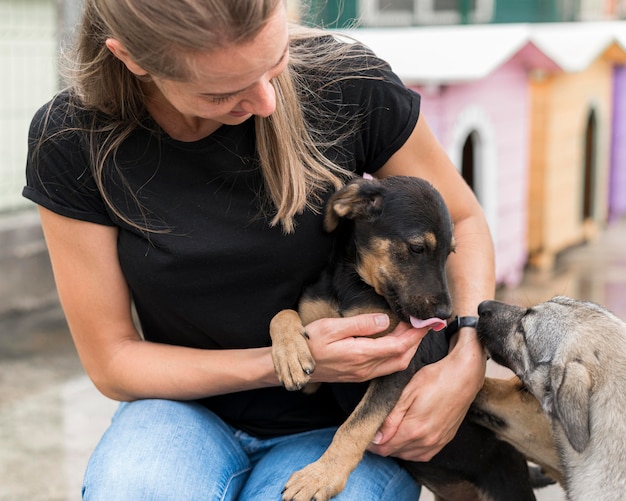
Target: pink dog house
524	111
475	95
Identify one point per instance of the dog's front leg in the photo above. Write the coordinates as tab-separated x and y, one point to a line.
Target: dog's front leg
327	476
292	358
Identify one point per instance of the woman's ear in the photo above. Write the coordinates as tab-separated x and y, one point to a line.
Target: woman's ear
118	50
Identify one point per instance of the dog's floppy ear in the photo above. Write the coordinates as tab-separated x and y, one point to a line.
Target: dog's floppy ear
572	388
362	198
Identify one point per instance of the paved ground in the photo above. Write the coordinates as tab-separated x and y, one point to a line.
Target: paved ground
51	417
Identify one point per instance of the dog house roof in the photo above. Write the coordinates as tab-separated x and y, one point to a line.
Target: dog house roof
574	46
454	54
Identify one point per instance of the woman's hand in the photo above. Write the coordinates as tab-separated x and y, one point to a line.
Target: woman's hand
344	350
434	403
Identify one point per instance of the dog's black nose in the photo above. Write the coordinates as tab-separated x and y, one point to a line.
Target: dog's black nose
485	308
443	312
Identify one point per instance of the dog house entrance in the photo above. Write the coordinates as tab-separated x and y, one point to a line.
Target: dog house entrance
589	167
470	162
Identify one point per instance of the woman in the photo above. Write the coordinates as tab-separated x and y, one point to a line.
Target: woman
183	172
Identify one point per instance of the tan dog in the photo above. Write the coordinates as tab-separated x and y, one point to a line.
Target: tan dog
571	355
508	409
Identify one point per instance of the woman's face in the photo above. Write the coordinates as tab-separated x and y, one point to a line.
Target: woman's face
232	83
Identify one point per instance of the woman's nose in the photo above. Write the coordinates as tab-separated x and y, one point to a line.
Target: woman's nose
261	99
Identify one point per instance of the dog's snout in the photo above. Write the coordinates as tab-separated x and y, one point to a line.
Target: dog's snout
492	309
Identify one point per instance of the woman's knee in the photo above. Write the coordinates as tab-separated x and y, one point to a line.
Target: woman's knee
375	478
379	478
158	449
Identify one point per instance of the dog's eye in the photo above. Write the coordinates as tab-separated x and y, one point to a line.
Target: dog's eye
417	248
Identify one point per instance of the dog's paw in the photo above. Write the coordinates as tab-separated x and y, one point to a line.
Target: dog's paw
317	481
293	362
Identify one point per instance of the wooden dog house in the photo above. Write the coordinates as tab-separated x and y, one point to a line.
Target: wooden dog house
570	138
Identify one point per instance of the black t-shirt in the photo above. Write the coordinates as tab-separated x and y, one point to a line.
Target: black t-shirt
219	273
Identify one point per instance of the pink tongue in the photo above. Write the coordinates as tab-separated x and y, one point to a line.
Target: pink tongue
434	323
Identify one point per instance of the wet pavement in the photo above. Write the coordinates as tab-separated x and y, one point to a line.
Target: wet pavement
51	417
50	414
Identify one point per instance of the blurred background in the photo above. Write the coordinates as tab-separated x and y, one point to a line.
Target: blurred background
527	96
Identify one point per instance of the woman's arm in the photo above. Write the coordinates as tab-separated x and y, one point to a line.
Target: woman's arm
96	302
123	366
435	401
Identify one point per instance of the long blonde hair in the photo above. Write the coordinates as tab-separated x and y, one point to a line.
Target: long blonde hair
156	34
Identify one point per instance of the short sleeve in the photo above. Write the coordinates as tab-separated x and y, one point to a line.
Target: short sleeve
372	108
390	114
58	174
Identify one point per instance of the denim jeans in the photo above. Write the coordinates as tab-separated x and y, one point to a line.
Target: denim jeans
180	451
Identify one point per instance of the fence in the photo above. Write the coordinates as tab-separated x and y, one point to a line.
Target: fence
29	76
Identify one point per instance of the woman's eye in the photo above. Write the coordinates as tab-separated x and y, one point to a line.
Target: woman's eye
218	99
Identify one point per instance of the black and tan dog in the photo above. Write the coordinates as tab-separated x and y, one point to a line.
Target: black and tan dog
393	240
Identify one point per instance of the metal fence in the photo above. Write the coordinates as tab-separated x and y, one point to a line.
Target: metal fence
28	78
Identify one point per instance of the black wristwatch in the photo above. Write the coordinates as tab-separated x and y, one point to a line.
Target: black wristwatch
457	324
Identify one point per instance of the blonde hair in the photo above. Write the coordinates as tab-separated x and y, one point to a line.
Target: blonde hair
156	35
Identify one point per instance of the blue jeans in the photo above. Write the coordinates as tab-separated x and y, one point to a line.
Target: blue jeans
180	451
